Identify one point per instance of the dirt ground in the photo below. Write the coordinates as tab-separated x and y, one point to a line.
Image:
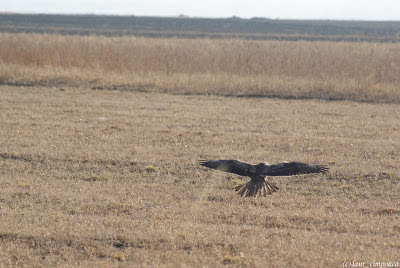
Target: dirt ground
110	178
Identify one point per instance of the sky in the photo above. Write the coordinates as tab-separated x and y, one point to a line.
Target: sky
276	9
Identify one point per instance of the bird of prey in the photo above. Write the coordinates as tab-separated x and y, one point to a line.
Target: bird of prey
257	173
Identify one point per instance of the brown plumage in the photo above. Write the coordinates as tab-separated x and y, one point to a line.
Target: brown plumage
257	173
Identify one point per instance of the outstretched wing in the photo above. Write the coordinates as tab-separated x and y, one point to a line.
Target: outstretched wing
232	166
294	168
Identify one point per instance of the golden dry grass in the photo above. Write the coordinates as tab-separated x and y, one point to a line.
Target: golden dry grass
109	178
285	69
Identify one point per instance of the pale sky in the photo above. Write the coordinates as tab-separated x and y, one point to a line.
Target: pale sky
277	9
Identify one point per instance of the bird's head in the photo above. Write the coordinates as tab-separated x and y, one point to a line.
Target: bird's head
261	166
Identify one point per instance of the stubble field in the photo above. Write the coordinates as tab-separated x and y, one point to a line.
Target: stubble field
100	138
109	178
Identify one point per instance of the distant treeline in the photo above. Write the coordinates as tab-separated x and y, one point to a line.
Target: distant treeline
255	28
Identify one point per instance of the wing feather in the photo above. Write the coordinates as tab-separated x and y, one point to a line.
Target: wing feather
232	166
294	168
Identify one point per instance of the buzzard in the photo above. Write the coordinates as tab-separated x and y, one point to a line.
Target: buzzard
257	173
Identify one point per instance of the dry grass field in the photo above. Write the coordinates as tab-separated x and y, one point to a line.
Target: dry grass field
357	71
109	178
100	138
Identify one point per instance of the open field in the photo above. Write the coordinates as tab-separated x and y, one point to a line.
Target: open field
100	138
255	28
359	71
109	177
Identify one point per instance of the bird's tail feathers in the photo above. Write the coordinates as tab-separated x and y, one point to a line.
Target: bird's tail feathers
251	188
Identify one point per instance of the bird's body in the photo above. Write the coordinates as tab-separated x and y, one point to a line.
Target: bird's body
257	173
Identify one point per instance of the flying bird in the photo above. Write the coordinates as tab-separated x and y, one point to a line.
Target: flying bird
257	173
